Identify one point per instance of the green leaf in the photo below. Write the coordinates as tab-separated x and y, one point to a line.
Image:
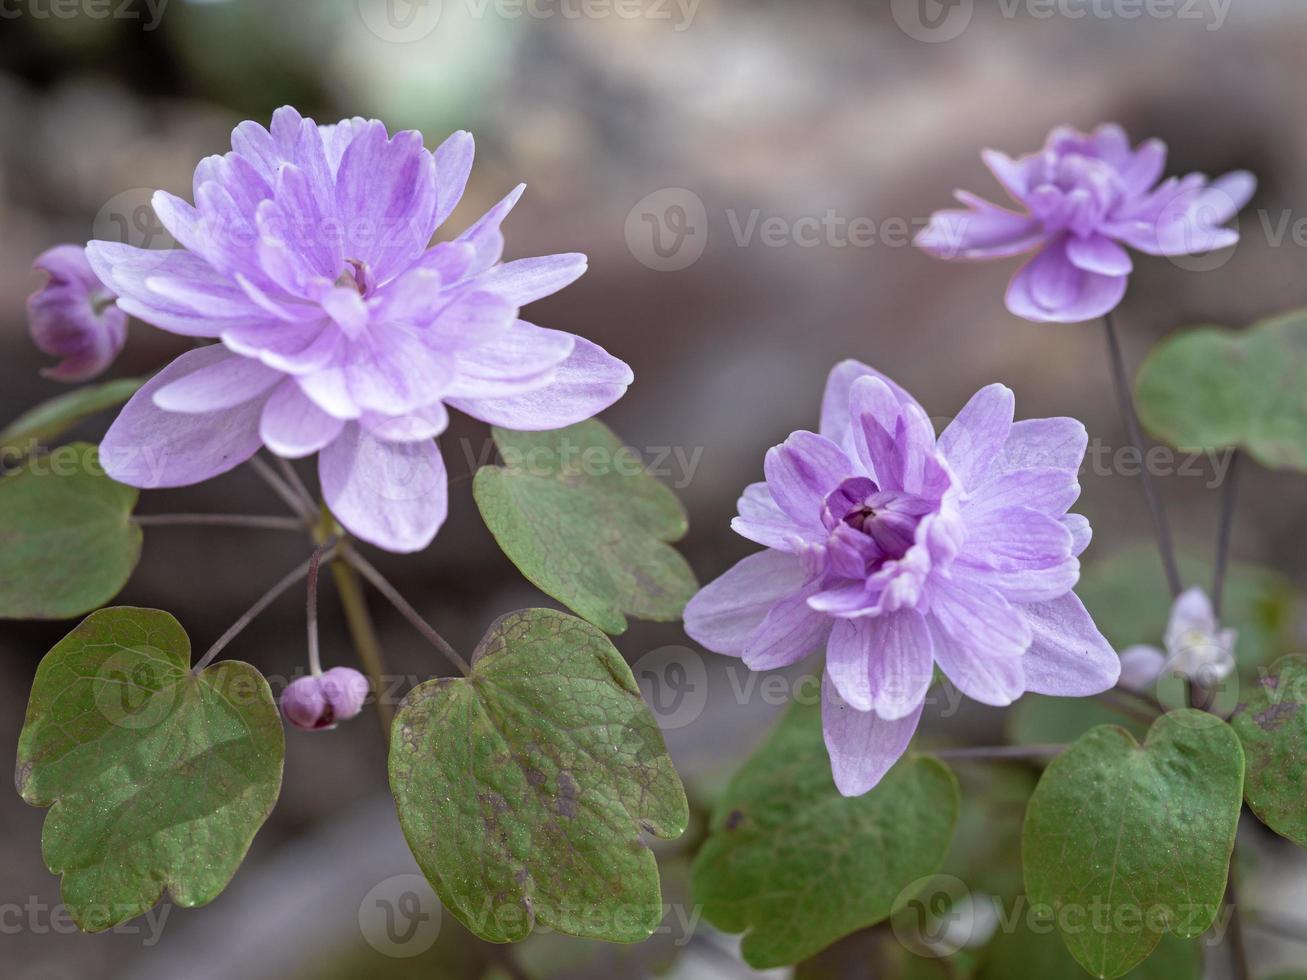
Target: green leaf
1128	598
156	777
1038	953
1211	388
67	540
798	865
51	419
1271	722
1129	842
576	512
524	789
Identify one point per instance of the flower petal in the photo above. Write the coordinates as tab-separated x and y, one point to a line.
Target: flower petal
762	521
1031	443
225	383
790	631
292	426
801	471
725	613
1046	489
394	495
1068	656
974	438
1049	289
981	232
882	663
1015	538
836	418
453	166
1100	254
581	387
862	745
148	447
528	280
979	639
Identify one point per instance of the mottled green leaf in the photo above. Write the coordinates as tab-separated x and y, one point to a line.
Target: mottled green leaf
1129	842
1038	954
578	514
155	777
49	420
796	866
1271	722
67	540
1129	600
1211	388
524	789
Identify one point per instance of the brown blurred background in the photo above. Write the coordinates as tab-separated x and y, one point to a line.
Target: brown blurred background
832	119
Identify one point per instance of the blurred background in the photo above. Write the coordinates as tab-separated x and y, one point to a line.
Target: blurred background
746	176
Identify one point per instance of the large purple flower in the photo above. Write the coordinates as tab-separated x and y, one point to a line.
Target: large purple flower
1084	197
343	332
900	551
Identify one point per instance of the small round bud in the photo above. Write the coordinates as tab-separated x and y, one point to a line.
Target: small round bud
74	317
314	703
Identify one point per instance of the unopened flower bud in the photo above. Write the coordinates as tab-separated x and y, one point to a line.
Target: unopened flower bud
314	703
74	317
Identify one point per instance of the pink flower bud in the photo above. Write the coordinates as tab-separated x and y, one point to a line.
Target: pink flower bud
313	703
74	317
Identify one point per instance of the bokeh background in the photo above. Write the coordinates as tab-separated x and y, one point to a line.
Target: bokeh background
662	139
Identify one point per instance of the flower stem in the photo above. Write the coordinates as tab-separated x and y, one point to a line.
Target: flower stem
296	484
392	594
1138	710
282	489
1238	945
1126	403
266	522
252	613
364	635
311	602
1228	493
1001	753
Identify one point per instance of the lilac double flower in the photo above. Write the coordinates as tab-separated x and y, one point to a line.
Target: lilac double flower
1083	198
901	551
342	331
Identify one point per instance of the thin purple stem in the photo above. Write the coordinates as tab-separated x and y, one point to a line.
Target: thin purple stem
266	522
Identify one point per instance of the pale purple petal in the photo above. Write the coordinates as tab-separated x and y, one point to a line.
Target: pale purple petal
394	495
453	166
762	521
293	426
1047	489
1098	253
801	471
1141	666
725	613
581	387
148	447
228	381
882	663
979	639
422	423
1068	656
485	234
1033	443
862	745
1015	538
528	280
1049	289
836	420
975	437
1024	585
1081	533
984	231
790	631
511	360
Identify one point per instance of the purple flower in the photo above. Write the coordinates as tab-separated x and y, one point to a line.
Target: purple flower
1196	647
342	333
899	552
73	316
1083	197
316	702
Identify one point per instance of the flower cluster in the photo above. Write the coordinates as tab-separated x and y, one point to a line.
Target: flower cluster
900	551
1083	198
341	330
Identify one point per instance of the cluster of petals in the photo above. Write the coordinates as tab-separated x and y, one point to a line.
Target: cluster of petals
1083	198
341	330
1195	647
320	701
73	316
901	551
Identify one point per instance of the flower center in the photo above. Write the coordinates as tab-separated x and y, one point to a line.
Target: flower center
356	275
867	526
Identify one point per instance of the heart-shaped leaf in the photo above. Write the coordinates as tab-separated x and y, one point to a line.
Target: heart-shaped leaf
1129	842
67	540
524	788
1211	388
798	865
155	777
1271	722
1032	951
49	420
579	515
